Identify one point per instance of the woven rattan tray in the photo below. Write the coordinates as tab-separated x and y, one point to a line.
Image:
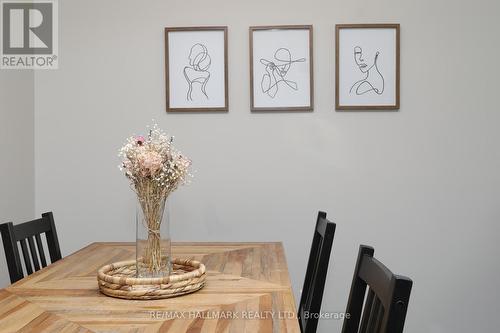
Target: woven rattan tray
118	280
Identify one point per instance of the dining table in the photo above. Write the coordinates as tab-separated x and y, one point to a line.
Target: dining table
247	290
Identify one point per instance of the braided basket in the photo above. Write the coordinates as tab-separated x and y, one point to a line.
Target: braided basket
118	280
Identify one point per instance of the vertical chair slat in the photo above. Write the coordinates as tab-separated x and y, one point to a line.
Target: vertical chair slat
34	256
26	256
366	312
372	322
379	319
11	251
39	245
52	240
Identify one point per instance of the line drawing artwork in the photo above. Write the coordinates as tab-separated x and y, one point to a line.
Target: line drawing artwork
197	70
373	81
276	72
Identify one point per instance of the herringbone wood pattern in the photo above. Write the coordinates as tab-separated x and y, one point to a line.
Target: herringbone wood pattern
248	290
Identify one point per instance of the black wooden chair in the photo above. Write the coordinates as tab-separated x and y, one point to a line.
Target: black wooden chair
29	232
383	310
317	267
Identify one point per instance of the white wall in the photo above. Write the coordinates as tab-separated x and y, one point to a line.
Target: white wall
17	182
421	185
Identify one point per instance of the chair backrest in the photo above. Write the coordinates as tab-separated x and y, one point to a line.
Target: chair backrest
317	268
29	232
383	308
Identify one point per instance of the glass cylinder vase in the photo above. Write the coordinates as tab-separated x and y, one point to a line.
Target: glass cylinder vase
153	248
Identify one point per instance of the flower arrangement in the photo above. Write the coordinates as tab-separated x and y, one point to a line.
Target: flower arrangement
155	169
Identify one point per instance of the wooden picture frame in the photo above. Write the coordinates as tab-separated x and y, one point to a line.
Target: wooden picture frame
195	58
368	92
281	68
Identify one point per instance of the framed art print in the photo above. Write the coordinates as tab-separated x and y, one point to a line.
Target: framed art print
281	68
196	69
367	67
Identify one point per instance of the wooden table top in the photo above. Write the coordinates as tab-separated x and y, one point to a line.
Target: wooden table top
248	290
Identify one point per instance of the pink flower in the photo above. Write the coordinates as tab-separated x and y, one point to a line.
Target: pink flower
149	162
140	140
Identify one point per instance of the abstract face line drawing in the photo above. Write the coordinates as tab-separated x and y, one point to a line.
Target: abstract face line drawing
197	71
276	72
373	81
